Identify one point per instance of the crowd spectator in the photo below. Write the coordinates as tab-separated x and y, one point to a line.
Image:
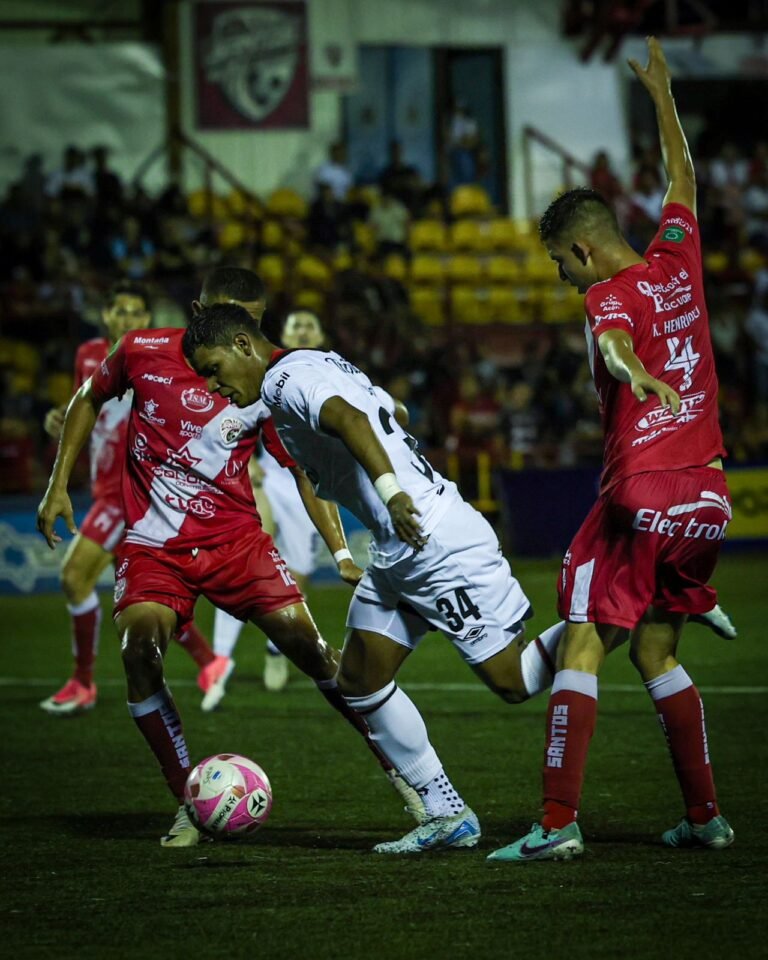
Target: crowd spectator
335	173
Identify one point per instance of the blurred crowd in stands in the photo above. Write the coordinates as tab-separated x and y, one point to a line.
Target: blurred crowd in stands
447	302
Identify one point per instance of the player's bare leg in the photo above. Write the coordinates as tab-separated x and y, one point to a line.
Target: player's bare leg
276	663
145	630
681	715
369	664
83	563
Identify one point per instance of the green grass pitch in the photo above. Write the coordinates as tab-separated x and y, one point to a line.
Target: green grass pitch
83	806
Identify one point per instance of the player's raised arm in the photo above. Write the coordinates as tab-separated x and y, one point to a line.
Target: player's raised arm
674	147
78	423
351	426
325	516
623	363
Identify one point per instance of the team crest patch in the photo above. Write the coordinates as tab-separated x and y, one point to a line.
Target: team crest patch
675	234
197	400
120	586
231	429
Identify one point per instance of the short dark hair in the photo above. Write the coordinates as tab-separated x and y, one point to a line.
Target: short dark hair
128	288
216	326
572	207
234	283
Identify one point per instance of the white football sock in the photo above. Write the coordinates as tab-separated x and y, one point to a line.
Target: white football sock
398	730
539	659
440	797
226	630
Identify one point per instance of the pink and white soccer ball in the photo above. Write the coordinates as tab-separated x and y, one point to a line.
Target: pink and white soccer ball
228	795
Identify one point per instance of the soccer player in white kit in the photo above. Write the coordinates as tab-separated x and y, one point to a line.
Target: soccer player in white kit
435	561
295	535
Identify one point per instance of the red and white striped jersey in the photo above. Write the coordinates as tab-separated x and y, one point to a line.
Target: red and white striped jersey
186	480
107	446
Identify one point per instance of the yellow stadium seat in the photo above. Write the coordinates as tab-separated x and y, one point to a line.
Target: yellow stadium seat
426	269
503	270
470	235
272	235
364	236
465	269
243	204
200	203
716	262
557	305
504	306
313	272
341	261
470	200
287	203
470	305
750	260
59	389
428	235
24	357
312	300
396	267
428	304
271	269
232	234
538	269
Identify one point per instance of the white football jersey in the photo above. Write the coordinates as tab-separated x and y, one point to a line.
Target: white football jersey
295	387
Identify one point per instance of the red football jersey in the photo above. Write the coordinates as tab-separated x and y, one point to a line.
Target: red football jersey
107	445
186	484
660	303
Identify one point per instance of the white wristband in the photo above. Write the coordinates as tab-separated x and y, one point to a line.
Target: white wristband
342	555
386	487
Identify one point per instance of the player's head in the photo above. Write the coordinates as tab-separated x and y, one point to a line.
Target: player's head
302	329
126	308
224	344
576	226
233	285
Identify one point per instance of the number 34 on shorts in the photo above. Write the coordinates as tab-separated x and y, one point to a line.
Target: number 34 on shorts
456	612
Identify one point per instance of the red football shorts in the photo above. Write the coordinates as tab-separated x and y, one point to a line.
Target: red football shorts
246	577
104	524
653	539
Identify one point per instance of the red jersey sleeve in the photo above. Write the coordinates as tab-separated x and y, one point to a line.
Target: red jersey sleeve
110	379
274	445
609	308
80	376
678	236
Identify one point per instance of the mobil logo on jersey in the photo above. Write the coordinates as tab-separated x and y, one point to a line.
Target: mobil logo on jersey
197	399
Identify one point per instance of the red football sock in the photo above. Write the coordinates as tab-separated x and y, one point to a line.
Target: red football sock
160	724
190	638
570	724
86	624
681	714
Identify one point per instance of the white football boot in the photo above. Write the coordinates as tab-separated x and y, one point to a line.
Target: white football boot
456	832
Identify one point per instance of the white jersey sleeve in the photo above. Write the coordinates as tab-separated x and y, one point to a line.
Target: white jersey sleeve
295	388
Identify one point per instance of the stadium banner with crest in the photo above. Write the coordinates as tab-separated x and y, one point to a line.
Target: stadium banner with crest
251	65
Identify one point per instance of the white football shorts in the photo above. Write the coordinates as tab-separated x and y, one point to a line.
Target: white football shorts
296	536
459	583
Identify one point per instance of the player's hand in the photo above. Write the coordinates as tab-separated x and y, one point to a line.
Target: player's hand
54	421
350	572
55	504
403	512
642	384
655	77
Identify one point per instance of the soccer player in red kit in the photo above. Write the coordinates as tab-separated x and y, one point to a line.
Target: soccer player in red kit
191	529
127	308
641	561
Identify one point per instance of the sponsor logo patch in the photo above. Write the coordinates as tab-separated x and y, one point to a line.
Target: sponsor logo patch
148	413
675	234
154	378
120	586
197	399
